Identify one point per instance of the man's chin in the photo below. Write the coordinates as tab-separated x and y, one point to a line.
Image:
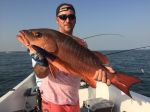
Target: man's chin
68	29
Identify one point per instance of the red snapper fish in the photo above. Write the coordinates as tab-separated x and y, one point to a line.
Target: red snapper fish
63	50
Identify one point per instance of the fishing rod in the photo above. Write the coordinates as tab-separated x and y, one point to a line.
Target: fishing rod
102	35
126	50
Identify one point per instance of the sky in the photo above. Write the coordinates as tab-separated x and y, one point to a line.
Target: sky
130	18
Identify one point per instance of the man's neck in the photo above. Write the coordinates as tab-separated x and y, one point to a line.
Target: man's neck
67	33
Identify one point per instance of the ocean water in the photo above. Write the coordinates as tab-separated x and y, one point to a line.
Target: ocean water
15	66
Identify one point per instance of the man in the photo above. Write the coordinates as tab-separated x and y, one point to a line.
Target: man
60	93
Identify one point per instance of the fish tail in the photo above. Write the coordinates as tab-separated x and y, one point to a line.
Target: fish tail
124	82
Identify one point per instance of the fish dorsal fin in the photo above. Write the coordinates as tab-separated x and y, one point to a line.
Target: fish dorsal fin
102	57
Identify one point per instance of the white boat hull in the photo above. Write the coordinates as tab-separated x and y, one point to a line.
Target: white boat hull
15	100
123	103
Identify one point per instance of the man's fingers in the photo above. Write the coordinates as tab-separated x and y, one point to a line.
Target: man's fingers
96	75
108	82
104	77
100	75
110	69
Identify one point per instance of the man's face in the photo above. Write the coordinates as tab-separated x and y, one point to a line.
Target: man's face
66	20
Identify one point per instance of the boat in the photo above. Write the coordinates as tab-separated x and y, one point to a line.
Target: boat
22	98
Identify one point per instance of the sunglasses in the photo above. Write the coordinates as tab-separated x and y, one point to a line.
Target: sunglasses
64	17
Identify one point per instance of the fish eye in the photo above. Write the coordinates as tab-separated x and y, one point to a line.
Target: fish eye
38	34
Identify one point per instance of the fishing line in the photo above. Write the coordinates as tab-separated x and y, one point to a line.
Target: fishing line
117	51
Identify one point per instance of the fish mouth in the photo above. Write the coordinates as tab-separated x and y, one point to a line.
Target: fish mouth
22	38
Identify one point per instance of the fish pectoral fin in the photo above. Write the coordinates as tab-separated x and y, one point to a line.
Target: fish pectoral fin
124	82
53	70
102	57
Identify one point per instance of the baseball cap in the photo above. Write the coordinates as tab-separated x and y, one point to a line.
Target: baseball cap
68	7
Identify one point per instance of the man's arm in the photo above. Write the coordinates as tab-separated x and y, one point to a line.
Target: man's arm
41	71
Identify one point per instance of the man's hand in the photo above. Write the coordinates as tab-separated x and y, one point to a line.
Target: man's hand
101	75
39	58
